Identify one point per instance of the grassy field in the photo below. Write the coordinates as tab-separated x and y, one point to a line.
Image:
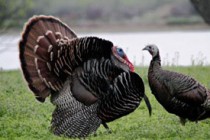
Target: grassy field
22	117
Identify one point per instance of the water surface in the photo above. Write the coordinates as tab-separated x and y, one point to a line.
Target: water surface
176	48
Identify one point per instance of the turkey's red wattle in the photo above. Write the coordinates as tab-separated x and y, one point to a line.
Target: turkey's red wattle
131	66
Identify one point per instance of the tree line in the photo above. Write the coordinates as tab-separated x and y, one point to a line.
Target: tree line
15	13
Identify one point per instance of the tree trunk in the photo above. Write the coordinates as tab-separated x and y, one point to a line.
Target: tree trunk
203	8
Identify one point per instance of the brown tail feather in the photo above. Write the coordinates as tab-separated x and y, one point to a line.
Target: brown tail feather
37	46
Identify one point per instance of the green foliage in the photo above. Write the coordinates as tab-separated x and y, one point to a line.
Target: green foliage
22	117
12	12
84	12
183	20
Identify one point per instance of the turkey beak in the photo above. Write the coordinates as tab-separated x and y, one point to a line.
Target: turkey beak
146	48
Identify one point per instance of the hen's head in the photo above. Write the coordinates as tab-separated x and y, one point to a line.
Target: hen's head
152	49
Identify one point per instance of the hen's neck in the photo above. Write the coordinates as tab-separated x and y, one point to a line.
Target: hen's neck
155	63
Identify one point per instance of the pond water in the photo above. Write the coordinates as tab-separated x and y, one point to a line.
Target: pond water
176	48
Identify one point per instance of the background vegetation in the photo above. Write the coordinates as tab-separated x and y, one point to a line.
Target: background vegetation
22	117
94	12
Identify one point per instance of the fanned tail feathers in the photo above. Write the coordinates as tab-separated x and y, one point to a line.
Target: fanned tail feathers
38	46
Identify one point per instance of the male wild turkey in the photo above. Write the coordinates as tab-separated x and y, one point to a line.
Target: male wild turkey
89	79
177	93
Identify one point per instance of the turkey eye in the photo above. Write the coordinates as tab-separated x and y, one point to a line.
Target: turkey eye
120	52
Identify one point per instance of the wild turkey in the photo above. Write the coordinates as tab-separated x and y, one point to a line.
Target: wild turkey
89	79
177	93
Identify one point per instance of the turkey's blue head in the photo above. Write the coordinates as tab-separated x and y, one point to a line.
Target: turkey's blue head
121	60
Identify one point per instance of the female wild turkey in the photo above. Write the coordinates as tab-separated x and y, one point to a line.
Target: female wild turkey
177	93
90	81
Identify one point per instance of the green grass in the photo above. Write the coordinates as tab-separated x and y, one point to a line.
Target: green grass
22	117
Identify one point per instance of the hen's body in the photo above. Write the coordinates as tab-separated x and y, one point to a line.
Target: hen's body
177	93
